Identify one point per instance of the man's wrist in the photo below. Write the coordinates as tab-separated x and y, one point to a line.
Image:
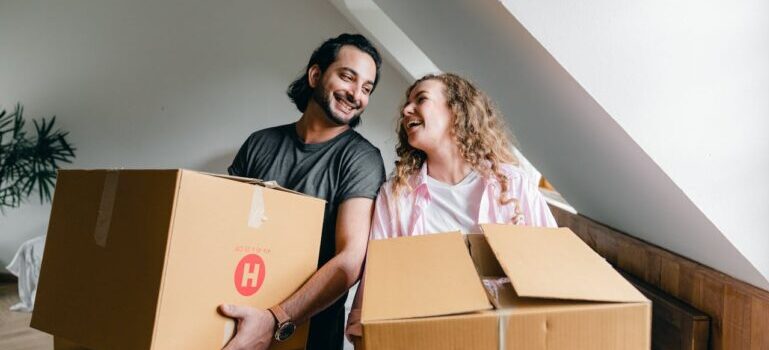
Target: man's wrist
284	327
279	314
274	319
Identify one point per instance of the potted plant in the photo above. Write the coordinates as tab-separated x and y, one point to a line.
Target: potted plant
29	162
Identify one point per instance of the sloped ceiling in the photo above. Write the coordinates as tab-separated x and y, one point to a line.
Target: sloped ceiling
593	160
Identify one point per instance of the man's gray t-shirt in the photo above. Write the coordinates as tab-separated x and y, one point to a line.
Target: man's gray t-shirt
344	167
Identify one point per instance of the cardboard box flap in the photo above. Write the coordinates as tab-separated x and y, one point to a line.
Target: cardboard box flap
267	184
420	276
555	263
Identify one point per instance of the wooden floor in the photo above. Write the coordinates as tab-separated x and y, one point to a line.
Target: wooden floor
15	333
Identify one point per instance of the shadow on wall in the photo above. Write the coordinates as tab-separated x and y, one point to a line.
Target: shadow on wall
219	163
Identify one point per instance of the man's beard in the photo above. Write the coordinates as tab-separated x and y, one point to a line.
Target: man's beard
322	99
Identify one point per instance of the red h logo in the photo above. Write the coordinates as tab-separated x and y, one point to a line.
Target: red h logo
249	275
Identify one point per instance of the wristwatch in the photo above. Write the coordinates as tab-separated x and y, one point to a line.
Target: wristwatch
284	328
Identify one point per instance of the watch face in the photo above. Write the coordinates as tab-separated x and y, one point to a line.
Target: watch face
285	331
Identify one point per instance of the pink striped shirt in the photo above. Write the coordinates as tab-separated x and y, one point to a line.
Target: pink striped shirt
404	214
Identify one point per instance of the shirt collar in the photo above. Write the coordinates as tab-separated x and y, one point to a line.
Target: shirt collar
421	178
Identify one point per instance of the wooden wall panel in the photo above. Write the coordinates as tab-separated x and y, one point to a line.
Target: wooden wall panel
675	324
739	312
759	335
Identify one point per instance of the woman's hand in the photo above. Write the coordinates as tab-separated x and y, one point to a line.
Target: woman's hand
357	342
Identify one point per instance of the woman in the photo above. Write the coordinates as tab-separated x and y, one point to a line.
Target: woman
455	170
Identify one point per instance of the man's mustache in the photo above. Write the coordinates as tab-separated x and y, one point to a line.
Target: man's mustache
349	99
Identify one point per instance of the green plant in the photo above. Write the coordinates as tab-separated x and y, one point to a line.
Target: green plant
29	162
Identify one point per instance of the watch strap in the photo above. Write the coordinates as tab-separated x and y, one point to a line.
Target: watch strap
281	316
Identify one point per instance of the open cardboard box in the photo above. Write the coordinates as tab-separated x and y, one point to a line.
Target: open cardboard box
140	259
425	292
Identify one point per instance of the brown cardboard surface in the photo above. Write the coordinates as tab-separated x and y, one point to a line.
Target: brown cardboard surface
477	331
420	276
223	238
174	242
555	263
60	343
568	321
94	294
599	326
269	184
485	262
580	326
509	301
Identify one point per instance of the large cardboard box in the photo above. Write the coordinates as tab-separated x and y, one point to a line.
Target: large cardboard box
140	259
426	292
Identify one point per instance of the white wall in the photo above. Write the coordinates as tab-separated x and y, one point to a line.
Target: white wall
596	161
164	84
689	81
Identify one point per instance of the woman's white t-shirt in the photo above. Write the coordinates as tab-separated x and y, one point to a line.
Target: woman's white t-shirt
454	207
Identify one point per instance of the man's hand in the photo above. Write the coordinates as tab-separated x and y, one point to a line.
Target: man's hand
256	327
255	330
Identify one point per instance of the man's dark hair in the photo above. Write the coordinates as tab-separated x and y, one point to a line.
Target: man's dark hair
300	91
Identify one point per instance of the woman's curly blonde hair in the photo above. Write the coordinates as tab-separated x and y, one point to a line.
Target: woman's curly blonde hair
478	129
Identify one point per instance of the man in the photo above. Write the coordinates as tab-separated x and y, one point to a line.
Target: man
320	155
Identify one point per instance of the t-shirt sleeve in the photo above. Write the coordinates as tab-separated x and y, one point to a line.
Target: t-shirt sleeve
239	166
363	177
382	224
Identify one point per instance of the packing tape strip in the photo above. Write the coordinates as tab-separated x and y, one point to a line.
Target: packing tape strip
106	205
502	322
270	184
256	214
